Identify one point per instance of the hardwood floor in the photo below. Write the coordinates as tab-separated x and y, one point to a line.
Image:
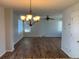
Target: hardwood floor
37	48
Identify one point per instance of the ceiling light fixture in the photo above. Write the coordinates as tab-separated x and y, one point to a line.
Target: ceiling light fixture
29	17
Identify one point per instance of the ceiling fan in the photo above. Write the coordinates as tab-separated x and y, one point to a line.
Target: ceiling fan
48	18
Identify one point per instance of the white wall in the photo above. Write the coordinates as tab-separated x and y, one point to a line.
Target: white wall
2	32
6	30
9	29
70	34
45	29
17	36
9	35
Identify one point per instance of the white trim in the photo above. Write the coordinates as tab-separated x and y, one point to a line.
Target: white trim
66	52
6	52
18	40
11	50
2	53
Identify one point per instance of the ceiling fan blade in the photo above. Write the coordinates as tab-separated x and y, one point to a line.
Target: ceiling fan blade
52	19
47	18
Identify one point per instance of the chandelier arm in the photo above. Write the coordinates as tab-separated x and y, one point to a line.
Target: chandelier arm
32	23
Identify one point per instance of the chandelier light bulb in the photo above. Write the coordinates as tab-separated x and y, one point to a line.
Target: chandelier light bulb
28	17
23	18
36	18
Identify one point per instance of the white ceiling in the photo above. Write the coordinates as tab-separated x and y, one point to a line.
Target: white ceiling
41	6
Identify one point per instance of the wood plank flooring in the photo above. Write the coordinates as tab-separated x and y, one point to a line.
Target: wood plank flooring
37	48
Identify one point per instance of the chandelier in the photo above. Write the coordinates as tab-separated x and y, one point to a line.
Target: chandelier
29	17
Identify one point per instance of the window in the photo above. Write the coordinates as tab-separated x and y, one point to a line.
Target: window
27	28
60	25
20	26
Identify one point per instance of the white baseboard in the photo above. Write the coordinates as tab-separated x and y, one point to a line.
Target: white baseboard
6	52
2	53
11	50
18	40
66	53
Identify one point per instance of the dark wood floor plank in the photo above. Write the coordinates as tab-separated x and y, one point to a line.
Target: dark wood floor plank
37	48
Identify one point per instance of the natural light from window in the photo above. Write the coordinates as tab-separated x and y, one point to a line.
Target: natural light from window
60	25
27	28
20	26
